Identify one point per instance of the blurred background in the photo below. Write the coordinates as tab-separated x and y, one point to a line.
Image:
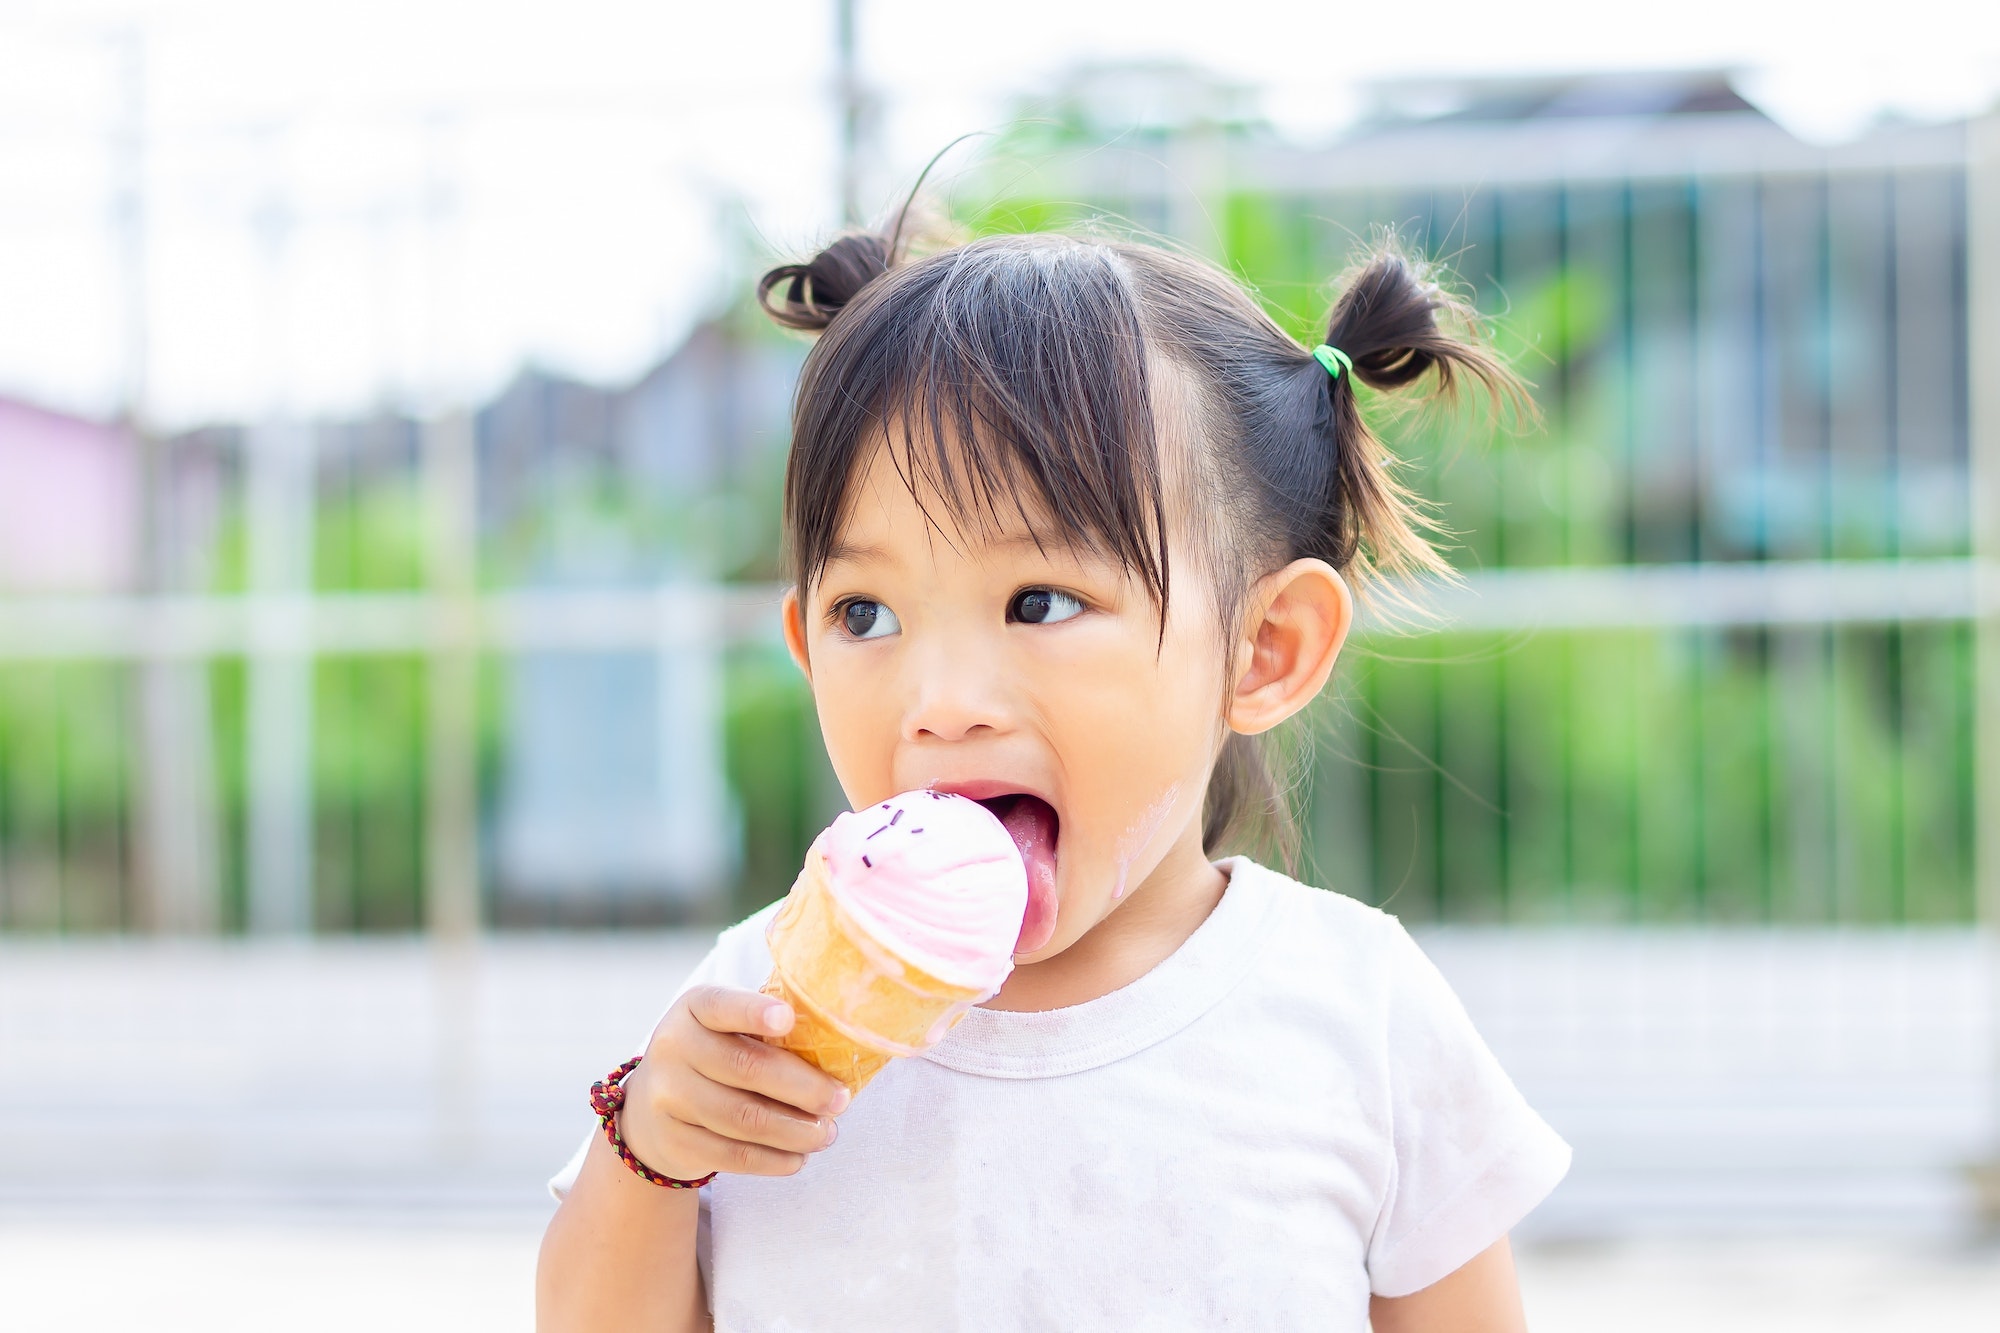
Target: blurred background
392	708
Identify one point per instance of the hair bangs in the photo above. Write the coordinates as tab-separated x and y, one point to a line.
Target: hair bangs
1008	379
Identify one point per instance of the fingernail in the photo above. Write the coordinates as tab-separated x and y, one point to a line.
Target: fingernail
841	1097
832	1133
776	1017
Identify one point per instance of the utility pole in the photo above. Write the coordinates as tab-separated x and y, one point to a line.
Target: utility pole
278	495
852	110
173	811
450	486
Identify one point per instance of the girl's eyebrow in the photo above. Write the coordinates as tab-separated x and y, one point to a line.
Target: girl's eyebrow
840	551
852	551
843	552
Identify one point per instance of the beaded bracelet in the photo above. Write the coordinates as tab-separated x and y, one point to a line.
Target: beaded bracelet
607	1098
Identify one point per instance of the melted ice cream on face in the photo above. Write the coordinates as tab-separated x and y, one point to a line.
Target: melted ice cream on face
936	878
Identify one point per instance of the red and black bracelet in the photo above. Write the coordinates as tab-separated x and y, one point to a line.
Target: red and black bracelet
607	1098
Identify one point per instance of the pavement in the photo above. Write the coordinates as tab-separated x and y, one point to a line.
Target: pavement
310	1274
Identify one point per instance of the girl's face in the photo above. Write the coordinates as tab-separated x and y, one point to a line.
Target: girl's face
1034	681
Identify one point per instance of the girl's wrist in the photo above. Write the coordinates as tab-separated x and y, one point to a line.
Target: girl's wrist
607	1099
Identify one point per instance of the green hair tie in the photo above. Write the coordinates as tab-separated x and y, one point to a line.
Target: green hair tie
1333	359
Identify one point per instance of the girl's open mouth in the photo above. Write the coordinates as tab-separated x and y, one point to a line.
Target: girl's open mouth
1033	824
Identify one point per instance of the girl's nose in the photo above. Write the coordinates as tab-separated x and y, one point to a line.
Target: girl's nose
955	691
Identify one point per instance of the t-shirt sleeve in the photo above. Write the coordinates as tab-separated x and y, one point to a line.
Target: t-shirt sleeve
738	959
1471	1157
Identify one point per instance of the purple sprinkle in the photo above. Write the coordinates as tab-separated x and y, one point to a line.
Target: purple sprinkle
892	819
865	861
883	829
916	830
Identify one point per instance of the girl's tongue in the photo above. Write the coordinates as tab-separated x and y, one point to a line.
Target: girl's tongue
1031	822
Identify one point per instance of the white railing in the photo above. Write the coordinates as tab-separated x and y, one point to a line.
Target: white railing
1854	592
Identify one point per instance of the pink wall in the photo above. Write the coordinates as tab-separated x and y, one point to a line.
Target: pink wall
69	519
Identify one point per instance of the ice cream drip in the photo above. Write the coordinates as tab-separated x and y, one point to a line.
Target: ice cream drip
1134	839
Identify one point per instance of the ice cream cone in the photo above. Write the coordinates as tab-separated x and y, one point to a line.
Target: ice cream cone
858	1002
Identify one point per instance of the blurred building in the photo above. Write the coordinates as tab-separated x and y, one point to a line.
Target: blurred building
610	804
89	542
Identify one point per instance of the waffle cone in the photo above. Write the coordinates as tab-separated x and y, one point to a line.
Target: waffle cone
859	1003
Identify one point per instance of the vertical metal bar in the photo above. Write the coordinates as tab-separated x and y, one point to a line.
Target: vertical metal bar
279	730
1899	635
1566	643
1497	508
1372	805
279	512
451	849
451	831
1629	440
60	776
351	831
1835	645
1983	318
1698	638
1440	756
1982	252
119	712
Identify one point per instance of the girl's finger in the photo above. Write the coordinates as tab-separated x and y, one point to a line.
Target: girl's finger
746	1063
748	1117
694	1143
722	1009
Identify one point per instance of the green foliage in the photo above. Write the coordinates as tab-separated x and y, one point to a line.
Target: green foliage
65	783
1562	319
1006	216
369	538
368	791
1800	775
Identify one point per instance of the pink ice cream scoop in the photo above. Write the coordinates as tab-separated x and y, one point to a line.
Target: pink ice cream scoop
938	879
904	916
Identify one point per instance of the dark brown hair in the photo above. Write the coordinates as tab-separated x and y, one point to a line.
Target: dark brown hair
1031	372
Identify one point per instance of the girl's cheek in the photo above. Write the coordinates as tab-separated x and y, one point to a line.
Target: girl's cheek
858	723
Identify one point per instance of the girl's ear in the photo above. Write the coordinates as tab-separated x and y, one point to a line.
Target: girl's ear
793	612
1293	628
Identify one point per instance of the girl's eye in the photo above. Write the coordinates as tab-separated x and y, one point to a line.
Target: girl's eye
864	619
1043	606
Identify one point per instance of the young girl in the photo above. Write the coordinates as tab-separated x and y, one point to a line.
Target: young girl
1074	523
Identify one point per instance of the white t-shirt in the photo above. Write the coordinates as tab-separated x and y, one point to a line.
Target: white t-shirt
1289	1113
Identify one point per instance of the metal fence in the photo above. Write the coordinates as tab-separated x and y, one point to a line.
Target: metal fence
1721	658
1724	652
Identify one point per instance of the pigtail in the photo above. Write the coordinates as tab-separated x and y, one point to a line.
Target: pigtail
1395	323
819	289
1328	485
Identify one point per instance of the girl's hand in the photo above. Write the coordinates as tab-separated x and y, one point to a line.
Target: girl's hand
709	1096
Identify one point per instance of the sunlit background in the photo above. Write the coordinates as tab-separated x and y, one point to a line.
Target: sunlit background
391	706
